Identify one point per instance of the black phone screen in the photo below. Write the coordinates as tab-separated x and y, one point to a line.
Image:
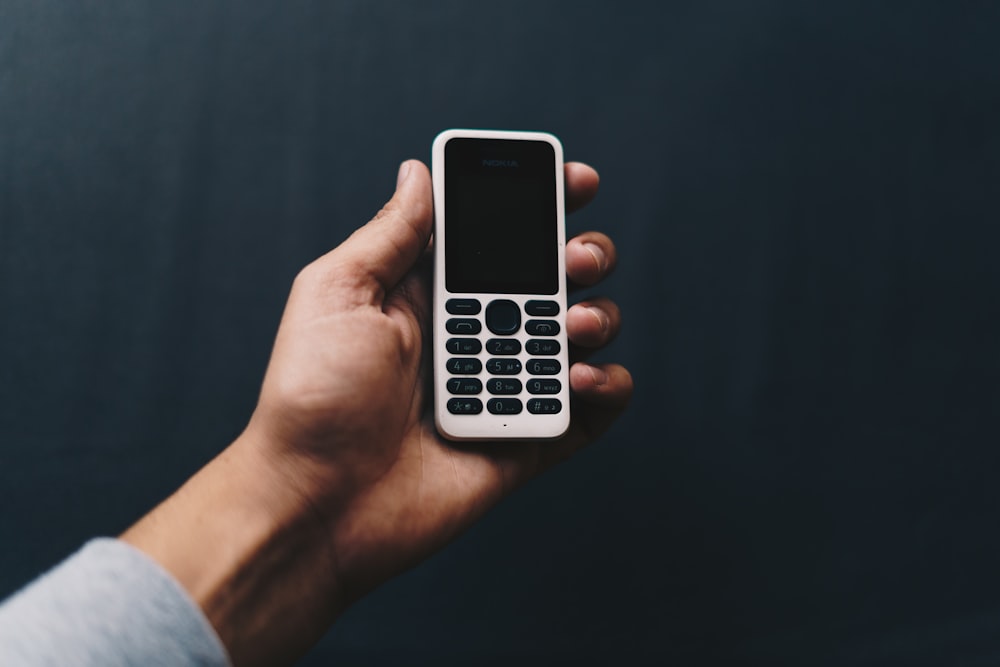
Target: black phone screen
500	216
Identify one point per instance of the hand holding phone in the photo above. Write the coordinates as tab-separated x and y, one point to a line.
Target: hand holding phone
501	368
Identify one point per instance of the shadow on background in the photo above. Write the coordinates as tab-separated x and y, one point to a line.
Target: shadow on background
805	202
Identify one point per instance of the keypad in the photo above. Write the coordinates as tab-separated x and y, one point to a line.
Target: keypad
510	377
504	406
542	327
544	406
503	346
503	366
467	346
544	367
464	366
465	406
463	325
462	306
541	308
503	317
539	347
465	386
539	386
503	386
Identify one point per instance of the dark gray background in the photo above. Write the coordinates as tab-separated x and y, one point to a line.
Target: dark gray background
804	196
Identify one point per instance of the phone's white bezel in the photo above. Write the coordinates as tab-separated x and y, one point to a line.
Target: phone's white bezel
485	425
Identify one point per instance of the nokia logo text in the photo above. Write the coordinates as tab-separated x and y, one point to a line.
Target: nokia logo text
500	163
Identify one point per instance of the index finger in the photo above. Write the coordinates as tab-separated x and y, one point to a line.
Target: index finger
581	185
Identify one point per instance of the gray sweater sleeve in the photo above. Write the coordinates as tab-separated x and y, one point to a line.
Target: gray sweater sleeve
109	604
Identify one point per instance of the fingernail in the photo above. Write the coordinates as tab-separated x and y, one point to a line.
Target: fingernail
600	377
598	253
404	171
600	316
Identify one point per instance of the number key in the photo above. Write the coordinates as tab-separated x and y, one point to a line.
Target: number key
544	386
463	366
503	366
464	386
544	367
464	345
542	347
504	406
503	346
504	386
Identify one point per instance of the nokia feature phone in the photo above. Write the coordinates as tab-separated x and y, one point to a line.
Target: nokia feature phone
501	367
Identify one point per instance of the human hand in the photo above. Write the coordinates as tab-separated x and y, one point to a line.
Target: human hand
340	480
345	406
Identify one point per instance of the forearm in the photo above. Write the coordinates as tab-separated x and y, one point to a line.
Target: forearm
251	552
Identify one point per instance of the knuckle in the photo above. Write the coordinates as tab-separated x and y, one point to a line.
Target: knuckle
329	274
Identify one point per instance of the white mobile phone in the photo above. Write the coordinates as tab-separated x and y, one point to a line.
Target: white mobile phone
501	366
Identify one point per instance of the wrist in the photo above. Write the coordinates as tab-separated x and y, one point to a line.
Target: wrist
251	550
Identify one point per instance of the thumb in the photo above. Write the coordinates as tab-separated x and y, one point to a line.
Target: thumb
381	252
